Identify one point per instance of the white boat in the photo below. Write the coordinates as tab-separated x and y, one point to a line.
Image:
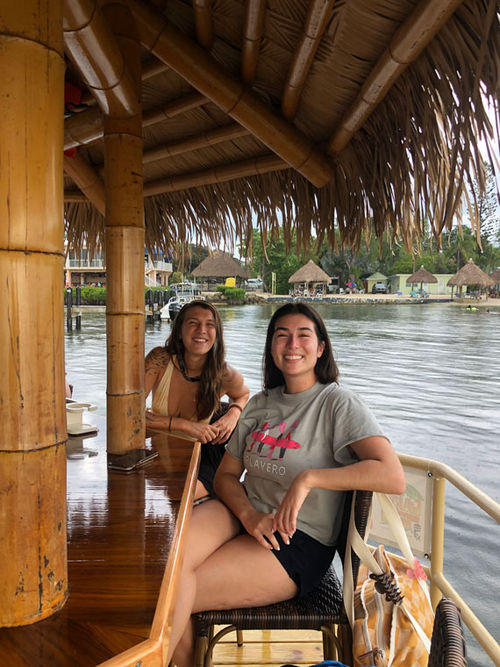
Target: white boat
184	293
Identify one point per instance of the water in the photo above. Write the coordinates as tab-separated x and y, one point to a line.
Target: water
431	375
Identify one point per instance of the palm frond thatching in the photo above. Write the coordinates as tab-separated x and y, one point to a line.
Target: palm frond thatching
309	273
219	265
421	276
408	163
495	276
470	274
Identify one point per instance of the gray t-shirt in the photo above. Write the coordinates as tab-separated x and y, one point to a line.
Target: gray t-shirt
278	435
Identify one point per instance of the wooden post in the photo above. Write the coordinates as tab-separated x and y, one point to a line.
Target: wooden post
33	571
124	259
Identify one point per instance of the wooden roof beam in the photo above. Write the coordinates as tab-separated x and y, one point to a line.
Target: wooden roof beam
318	16
245	168
255	11
87	180
193	63
203	22
93	50
227	172
407	44
86	126
195	142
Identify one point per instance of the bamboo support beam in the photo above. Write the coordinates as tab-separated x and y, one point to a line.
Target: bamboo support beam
124	235
255	11
262	165
407	44
91	46
87	179
152	67
192	63
317	19
203	22
86	126
195	142
33	571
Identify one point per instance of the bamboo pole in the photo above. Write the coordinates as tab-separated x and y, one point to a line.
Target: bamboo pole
33	572
90	44
192	63
124	237
195	142
86	126
87	180
317	19
203	22
408	42
253	167
255	11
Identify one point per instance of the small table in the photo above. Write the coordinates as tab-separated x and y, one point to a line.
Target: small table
122	529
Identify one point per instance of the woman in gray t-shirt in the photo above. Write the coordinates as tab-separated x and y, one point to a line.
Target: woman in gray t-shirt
302	443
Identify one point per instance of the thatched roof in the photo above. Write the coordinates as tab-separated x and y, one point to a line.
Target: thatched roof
219	265
495	276
241	127
470	274
421	276
377	276
309	273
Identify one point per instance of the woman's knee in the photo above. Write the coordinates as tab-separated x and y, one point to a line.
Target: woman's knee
211	526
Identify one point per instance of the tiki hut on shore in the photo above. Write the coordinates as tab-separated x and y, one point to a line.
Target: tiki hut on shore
470	275
310	278
421	276
219	265
495	276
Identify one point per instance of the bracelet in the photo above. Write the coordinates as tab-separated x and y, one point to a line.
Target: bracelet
170	424
235	405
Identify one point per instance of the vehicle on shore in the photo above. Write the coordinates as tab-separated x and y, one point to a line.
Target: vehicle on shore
379	288
184	293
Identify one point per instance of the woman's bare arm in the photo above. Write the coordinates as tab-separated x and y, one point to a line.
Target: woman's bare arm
378	469
230	490
154	366
233	385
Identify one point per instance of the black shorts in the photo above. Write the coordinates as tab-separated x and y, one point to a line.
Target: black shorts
210	458
211	455
305	560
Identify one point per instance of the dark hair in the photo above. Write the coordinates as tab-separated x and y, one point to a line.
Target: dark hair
210	384
326	369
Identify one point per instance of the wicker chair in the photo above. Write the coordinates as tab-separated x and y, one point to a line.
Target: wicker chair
322	609
448	642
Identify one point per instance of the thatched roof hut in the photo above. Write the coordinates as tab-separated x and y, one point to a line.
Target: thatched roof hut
495	276
310	273
219	265
421	276
470	274
239	124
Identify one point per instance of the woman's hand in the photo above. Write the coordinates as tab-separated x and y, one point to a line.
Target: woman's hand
260	526
285	519
225	425
199	430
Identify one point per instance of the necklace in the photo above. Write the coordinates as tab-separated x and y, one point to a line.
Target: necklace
182	368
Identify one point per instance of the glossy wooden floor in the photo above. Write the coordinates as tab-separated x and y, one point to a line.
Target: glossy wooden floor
120	527
270	648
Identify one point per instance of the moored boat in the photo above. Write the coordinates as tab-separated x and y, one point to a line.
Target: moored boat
184	293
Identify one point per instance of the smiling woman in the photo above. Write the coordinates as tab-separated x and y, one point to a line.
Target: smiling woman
188	377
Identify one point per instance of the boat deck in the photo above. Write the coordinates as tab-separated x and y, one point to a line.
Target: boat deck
120	530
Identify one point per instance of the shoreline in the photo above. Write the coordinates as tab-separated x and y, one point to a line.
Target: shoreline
340	299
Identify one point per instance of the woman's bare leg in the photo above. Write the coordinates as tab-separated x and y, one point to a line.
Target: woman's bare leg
212	524
241	573
200	491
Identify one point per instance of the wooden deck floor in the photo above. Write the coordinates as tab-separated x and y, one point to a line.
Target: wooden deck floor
270	648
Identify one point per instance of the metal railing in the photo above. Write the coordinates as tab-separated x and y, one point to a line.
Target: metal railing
157	266
97	263
440	473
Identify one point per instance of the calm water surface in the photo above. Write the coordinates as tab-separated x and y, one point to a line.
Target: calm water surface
431	375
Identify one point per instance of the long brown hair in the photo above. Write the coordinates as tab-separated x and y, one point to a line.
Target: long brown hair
326	369
209	388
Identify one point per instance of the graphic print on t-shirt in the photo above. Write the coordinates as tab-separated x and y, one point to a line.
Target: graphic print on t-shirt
267	443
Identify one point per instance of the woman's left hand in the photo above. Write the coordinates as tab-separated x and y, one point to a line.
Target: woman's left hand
225	425
285	519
